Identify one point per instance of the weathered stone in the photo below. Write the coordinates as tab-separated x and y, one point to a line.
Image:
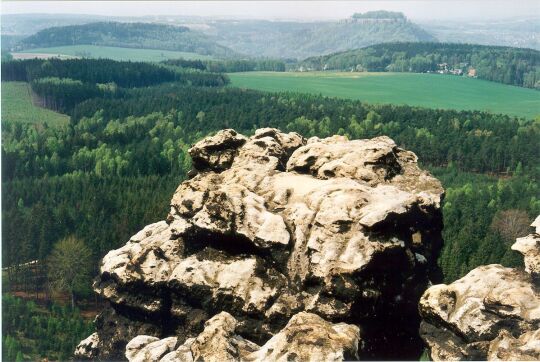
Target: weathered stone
234	279
307	337
491	313
529	246
216	153
88	348
507	348
271	226
148	348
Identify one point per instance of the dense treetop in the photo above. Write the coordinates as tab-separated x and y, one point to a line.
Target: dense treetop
516	66
129	35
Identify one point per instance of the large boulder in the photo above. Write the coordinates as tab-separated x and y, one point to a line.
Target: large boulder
491	313
272	226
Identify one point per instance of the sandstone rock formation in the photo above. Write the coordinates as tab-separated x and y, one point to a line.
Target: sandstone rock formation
529	246
492	313
274	241
307	337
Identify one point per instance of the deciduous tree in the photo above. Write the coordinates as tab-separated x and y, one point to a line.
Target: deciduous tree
69	266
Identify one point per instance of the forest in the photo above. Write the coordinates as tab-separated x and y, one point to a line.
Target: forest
114	167
62	84
127	35
231	65
515	66
44	332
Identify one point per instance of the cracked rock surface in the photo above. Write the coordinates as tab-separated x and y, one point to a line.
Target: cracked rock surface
278	248
492	313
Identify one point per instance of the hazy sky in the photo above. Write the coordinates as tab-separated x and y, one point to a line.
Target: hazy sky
416	10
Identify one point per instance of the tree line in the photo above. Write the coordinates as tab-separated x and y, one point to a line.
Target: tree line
231	65
515	66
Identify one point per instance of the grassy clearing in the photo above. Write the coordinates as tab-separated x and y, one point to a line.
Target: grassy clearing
116	53
425	90
17	106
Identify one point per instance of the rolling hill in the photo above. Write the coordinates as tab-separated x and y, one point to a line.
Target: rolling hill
128	35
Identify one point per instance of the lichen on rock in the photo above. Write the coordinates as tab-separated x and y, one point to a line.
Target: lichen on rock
272	237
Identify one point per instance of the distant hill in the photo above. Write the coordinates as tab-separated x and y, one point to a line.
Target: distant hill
380	14
28	24
520	32
516	66
260	38
230	38
129	35
277	39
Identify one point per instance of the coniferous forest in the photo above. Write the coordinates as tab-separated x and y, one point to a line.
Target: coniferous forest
50	332
114	167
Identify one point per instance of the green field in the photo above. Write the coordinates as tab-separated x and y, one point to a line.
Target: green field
116	53
425	90
17	106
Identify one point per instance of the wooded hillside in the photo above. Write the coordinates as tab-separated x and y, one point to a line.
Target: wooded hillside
129	35
507	65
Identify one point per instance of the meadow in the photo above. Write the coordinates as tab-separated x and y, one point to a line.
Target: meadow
17	106
116	53
424	90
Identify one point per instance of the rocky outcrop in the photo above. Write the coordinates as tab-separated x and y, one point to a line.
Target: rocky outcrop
306	337
279	248
529	246
492	313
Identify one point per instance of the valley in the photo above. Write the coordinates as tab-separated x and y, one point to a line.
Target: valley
313	172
